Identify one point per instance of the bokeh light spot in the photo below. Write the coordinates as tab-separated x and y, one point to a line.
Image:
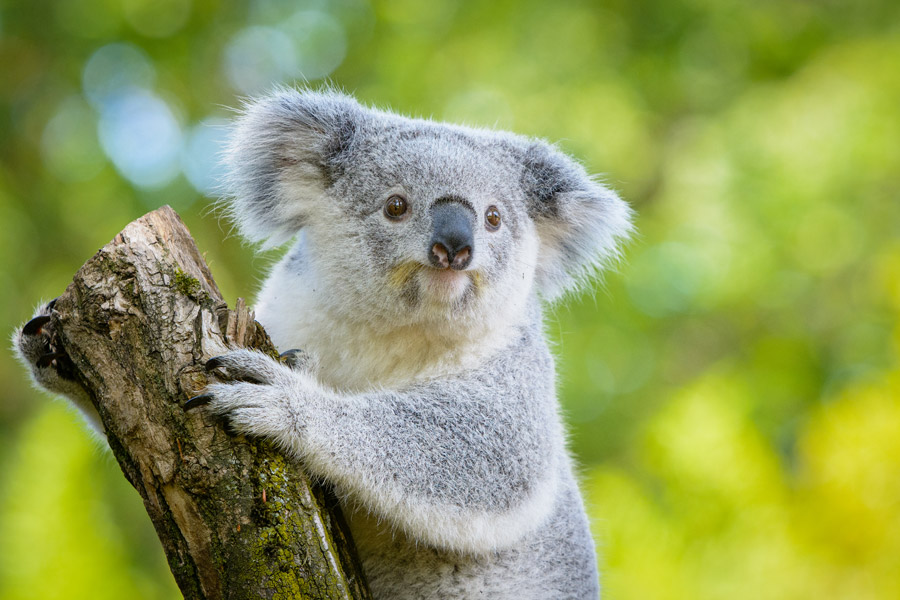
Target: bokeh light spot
141	136
201	158
356	16
319	40
258	57
113	70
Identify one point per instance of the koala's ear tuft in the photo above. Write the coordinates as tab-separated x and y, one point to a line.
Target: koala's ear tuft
581	223
284	151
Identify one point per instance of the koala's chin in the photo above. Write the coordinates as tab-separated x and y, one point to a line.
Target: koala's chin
446	285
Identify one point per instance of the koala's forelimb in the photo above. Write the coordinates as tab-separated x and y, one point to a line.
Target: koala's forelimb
440	460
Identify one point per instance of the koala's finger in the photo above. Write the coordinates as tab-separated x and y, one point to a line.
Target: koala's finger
33	327
214	363
47	359
246	365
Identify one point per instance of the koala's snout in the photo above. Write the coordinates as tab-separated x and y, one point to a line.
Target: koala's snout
451	237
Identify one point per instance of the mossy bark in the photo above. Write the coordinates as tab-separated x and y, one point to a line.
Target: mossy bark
236	519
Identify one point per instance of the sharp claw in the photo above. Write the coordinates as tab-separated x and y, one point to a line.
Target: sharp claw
214	363
220	361
33	327
47	359
293	358
198	401
51	304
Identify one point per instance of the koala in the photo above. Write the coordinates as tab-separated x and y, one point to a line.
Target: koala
422	255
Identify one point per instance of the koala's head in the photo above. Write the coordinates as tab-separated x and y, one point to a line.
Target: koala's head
416	219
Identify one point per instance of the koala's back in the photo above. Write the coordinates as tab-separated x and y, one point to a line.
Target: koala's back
555	561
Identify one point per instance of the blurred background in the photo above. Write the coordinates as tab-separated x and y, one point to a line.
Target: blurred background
732	388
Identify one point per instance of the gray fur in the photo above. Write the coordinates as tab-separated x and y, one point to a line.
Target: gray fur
425	396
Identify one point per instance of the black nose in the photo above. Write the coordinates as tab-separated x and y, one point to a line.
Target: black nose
451	238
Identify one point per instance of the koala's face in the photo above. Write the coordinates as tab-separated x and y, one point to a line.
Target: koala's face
415	220
426	222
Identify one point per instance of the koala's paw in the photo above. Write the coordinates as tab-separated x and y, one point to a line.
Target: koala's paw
38	346
261	399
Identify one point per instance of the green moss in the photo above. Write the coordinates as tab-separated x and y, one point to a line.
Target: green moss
283	524
187	285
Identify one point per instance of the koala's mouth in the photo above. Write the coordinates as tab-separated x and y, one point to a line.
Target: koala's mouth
436	284
446	283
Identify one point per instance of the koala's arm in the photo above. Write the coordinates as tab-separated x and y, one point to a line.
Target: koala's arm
467	463
37	346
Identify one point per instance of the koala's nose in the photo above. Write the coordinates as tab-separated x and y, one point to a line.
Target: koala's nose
451	238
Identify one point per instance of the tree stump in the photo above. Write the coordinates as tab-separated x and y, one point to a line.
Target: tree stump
235	517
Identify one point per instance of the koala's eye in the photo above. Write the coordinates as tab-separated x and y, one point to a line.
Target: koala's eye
492	218
395	207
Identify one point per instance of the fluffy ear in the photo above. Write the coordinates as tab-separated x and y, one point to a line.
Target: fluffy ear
283	152
580	222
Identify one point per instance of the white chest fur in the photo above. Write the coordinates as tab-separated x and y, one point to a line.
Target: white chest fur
353	354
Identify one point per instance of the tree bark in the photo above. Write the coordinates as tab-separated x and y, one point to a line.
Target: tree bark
235	517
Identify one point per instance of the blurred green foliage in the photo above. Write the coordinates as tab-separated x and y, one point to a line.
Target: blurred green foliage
733	389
